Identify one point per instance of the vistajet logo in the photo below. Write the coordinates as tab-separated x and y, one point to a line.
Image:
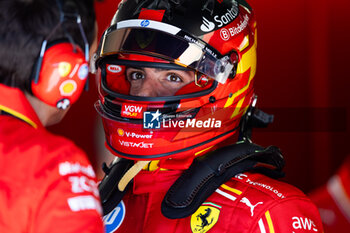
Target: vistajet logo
143	145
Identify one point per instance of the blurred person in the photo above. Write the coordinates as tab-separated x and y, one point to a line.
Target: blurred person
47	183
178	105
333	200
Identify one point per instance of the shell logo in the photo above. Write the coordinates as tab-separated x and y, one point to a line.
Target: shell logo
64	68
68	87
120	132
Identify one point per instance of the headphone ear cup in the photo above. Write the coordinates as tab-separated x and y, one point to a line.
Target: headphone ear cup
62	76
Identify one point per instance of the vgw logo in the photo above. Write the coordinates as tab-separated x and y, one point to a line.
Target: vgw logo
151	120
132	111
114	219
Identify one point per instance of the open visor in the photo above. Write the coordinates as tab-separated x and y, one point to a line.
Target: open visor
116	79
160	40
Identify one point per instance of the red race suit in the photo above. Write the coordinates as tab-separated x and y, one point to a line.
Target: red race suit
47	184
249	202
333	201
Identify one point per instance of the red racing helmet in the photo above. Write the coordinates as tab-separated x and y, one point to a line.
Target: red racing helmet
215	40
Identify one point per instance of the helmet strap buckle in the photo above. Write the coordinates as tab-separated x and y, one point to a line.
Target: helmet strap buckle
200	80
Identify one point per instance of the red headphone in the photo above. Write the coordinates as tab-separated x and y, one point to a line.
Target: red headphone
62	75
61	71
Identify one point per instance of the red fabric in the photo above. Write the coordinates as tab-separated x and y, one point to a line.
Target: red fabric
253	198
156	15
13	99
46	183
333	201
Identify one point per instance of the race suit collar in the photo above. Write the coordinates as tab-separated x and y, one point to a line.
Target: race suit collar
157	181
14	103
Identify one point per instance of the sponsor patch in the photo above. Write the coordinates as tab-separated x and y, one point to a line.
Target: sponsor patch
68	168
261	185
120	132
83	71
207	25
132	111
114	68
127	134
145	23
302	223
228	17
64	68
68	87
115	218
227	33
205	217
63	104
81	203
143	145
250	205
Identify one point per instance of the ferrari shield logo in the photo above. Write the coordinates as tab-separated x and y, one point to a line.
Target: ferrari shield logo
205	217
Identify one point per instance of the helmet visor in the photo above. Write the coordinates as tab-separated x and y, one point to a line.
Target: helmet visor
175	46
151	79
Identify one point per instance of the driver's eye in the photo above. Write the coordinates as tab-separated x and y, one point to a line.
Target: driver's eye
174	78
136	75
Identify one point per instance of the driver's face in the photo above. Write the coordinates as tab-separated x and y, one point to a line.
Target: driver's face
154	82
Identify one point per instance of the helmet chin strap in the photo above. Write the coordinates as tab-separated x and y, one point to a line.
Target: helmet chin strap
131	173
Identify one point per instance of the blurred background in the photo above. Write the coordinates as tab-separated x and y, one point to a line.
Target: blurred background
302	79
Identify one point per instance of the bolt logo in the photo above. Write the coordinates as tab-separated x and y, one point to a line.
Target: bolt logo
207	26
151	120
114	219
132	111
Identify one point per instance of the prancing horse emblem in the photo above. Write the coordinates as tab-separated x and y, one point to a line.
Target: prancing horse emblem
205	217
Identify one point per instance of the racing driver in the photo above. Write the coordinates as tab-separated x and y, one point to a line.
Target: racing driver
176	99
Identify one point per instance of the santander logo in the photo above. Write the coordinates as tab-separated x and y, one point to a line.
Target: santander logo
207	25
220	20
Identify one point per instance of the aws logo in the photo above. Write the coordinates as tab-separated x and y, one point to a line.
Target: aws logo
302	223
114	219
205	217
